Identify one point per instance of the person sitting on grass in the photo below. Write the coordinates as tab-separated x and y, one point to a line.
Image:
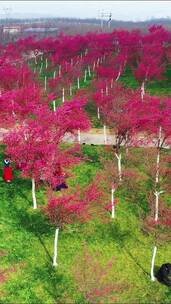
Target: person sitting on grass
61	177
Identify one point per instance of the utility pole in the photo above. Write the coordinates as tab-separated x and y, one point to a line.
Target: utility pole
103	15
7	11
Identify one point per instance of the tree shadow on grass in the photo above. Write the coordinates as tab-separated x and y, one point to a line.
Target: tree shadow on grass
147	275
56	284
14	189
30	220
113	232
35	223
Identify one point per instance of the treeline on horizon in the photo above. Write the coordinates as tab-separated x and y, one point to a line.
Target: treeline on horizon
114	23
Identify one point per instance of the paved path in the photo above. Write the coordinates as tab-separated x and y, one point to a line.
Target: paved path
94	136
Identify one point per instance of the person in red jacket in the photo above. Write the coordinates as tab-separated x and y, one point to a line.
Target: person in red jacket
8	174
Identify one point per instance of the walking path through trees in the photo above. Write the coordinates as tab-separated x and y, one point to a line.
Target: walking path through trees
93	137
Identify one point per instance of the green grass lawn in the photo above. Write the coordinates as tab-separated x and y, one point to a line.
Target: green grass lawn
26	248
159	88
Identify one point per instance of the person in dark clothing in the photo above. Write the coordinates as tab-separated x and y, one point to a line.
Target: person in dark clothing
164	274
61	176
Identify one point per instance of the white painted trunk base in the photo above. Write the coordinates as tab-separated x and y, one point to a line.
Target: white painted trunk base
153	263
118	156
63	95
41	66
46	63
45	83
78	83
70	90
85	76
142	90
112	202
59	72
54	74
118	76
34	194
56	248
105	135
98	113
54	105
79	136
89	71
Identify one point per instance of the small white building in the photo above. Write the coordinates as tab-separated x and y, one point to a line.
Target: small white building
12	29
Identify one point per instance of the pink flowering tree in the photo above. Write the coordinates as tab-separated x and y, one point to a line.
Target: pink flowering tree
35	145
151	61
78	207
118	116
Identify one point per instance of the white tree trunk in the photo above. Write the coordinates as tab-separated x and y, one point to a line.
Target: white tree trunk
142	90
158	156
59	72
112	202
111	84
118	76
63	95
54	105
157	167
98	113
54	74
55	248
156	206
118	156
89	71
79	136
85	76
46	63
78	83
13	112
126	145
157	195
34	194
70	90
153	263
45	83
105	136
94	65
107	91
41	66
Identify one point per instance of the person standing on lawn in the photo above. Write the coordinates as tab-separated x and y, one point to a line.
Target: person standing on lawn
8	174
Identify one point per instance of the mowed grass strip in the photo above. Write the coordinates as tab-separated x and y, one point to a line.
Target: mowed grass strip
27	248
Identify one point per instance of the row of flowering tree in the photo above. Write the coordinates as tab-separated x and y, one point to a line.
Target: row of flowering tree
35	141
35	144
105	55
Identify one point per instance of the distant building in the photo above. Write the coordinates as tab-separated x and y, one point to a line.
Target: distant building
12	29
40	29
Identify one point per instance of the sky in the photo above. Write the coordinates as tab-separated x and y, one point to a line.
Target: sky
121	10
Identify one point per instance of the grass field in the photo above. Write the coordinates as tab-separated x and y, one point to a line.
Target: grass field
26	248
158	88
